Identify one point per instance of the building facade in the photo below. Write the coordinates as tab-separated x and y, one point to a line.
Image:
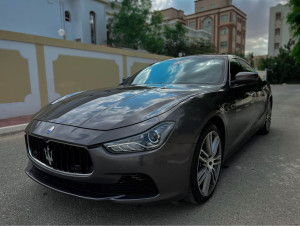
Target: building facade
279	31
192	33
225	23
78	20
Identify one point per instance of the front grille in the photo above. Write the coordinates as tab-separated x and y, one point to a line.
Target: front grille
60	156
129	186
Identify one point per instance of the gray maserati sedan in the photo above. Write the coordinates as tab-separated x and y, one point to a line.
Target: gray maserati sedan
162	135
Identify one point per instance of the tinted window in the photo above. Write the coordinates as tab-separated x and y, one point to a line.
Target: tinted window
235	68
93	27
224	18
246	67
207	24
192	24
67	16
195	70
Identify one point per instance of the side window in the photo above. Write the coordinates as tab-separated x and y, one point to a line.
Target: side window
235	68
67	16
246	67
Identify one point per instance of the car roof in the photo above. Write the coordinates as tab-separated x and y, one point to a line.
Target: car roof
212	55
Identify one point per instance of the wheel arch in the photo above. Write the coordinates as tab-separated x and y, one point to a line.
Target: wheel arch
271	100
219	123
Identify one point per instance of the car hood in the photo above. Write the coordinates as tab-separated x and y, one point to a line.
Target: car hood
115	108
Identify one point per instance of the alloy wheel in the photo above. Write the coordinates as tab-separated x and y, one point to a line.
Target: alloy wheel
269	117
209	163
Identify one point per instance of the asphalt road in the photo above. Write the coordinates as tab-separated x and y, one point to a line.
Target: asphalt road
258	185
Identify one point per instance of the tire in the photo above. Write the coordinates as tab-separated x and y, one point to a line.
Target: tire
206	165
267	126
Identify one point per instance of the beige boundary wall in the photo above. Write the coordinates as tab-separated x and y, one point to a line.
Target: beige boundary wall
36	70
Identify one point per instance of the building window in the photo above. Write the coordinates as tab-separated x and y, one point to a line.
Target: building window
276	46
224	44
192	24
67	16
224	18
213	6
107	34
202	9
233	17
233	32
278	16
166	17
224	31
93	27
207	25
277	31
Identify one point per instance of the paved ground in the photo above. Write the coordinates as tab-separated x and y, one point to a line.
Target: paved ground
260	185
15	121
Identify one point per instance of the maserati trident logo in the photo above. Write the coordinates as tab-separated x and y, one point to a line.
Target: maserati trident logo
48	154
50	129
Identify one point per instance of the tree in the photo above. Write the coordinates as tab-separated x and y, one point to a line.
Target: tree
128	27
261	64
250	59
199	47
136	27
283	69
154	41
266	63
175	39
241	55
294	20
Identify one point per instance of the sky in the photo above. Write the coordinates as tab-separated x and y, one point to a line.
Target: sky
257	19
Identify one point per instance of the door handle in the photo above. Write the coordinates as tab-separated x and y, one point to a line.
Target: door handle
251	94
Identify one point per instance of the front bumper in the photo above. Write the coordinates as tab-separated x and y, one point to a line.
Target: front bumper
168	168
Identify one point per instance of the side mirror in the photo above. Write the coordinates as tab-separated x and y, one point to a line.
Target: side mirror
245	78
124	80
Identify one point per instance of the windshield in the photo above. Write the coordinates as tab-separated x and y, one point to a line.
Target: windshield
194	70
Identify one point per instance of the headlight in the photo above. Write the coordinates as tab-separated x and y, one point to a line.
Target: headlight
147	141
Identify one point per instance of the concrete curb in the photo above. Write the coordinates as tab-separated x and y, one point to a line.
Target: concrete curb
12	129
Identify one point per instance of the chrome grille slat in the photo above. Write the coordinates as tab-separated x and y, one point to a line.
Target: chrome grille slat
66	158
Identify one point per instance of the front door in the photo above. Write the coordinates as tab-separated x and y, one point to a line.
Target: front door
240	107
260	94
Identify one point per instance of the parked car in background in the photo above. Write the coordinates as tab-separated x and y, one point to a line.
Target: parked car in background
162	135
